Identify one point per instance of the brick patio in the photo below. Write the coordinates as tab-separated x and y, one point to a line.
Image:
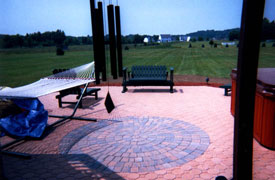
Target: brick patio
152	134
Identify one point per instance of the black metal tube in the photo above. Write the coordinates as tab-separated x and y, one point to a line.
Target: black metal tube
95	40
118	40
112	40
101	41
252	16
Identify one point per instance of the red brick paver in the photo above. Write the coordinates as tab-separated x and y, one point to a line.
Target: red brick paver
203	107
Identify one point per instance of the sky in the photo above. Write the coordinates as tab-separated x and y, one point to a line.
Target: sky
151	17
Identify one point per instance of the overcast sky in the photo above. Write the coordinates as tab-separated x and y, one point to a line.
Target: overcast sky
137	17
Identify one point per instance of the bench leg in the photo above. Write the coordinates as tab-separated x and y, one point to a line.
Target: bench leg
96	96
171	89
60	102
124	89
80	104
226	91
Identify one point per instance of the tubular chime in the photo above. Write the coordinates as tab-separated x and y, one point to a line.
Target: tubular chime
112	40
118	40
98	41
101	43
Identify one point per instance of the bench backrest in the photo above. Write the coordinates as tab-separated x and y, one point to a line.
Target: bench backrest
152	72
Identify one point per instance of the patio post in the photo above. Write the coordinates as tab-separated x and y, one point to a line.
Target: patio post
250	34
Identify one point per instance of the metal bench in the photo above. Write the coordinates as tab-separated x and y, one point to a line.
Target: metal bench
78	91
147	76
227	89
75	90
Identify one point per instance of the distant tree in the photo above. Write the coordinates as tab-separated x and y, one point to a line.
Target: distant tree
190	45
13	41
215	45
59	51
84	40
273	45
200	38
211	42
234	35
7	42
202	45
59	37
138	39
268	29
193	39
155	38
263	45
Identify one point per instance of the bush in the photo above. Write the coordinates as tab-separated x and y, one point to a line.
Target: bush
273	45
211	42
215	45
59	51
202	45
126	48
190	45
263	45
226	45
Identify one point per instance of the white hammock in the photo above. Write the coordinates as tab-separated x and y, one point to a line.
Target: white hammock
71	78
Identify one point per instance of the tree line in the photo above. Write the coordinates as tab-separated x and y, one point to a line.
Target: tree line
268	31
54	38
59	39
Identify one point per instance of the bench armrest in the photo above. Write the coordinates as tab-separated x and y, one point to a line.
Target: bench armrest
172	74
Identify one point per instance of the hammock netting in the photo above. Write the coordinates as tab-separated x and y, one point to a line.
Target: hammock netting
71	78
32	121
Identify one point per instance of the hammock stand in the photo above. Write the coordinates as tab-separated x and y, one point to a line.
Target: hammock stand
63	75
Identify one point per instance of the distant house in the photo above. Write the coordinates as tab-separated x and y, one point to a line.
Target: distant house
146	40
228	43
184	38
165	38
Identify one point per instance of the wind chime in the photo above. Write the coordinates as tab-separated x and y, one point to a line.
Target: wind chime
98	26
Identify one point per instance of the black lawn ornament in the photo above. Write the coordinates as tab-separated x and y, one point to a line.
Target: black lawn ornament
207	80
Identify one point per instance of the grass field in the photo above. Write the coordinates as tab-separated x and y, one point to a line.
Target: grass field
22	66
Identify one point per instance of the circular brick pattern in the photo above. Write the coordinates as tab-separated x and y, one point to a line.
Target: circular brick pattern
138	144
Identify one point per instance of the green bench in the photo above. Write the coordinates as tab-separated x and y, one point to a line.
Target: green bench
147	76
227	89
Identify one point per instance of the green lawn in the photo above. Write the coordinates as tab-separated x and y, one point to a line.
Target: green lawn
22	66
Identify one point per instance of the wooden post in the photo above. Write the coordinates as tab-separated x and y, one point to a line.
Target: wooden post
252	16
118	40
112	40
95	40
101	42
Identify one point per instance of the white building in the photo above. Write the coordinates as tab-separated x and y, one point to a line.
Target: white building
228	43
165	38
146	40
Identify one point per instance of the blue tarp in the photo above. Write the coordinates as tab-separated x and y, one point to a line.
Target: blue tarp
30	123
